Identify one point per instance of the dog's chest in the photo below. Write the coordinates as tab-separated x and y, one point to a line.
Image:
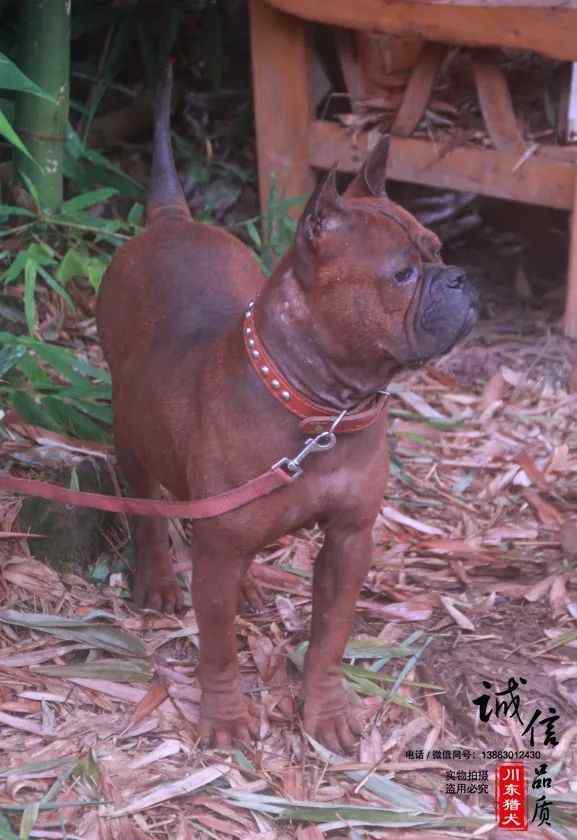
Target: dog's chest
337	488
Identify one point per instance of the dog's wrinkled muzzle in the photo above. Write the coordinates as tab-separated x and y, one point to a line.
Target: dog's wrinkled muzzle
445	311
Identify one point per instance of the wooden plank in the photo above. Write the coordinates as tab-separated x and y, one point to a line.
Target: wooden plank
496	103
539	180
418	90
282	101
346	48
387	61
570	319
548	29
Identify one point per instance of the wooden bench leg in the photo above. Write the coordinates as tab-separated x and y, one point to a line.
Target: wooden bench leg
282	101
570	320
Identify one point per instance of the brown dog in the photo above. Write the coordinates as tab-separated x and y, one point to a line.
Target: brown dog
361	294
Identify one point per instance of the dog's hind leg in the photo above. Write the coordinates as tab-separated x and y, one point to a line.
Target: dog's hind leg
155	585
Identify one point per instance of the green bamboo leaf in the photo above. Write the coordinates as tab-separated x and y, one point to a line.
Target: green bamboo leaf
14	271
373	649
102	413
347	814
88	770
71	420
41	253
61	360
408	667
401	797
6	832
30	187
355	672
88	391
136	215
74	482
55	286
89	167
43	349
86	629
10	210
31	370
56	806
31	411
89	199
8	132
254	235
84	221
29	818
12	78
30	275
116	670
9	358
24	770
76	263
288	203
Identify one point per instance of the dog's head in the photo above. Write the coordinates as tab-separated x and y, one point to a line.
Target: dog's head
374	278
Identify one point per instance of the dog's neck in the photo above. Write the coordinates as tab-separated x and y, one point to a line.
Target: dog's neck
295	343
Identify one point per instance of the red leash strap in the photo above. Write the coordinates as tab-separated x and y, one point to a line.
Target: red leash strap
315	419
207	508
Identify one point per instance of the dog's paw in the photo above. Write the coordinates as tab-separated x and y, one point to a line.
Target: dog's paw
224	724
162	594
333	720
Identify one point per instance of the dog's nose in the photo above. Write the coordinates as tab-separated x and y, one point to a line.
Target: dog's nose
457	280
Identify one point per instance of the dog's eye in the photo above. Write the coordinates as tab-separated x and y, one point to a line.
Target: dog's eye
405	275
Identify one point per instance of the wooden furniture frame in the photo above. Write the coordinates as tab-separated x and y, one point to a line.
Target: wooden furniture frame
291	143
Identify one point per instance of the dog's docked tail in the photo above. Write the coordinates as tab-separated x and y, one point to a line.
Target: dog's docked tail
165	191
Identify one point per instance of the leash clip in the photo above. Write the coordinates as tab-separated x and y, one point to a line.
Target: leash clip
320	443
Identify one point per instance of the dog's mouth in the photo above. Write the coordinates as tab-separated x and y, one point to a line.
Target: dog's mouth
433	337
469	321
448	310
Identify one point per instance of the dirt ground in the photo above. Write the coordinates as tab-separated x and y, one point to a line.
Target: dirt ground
473	580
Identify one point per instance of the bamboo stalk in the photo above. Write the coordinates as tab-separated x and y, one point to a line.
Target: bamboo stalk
45	58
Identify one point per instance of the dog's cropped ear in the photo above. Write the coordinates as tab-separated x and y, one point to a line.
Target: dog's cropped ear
371	180
323	212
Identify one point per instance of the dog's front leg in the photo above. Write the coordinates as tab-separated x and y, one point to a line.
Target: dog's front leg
339	572
224	714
